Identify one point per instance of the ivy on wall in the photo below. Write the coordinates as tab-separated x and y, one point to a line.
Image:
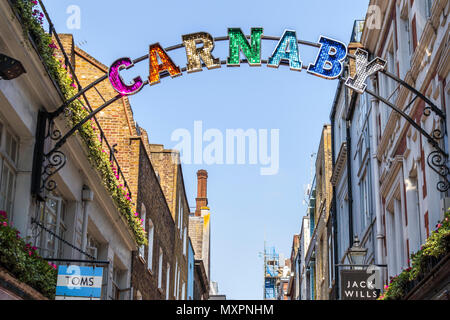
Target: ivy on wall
32	21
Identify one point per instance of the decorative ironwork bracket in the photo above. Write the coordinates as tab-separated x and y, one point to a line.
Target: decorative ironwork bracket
437	160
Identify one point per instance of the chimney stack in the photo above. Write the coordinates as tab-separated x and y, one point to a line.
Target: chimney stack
202	200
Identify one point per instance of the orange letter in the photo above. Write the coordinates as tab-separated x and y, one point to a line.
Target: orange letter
166	65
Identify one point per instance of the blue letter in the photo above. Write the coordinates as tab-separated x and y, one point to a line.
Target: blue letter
287	49
329	62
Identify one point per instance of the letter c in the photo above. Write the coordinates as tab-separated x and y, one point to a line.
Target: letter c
117	81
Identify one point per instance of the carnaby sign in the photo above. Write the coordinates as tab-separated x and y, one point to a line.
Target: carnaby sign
199	47
358	285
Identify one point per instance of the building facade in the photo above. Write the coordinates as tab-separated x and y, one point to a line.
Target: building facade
200	234
168	166
413	39
322	232
78	218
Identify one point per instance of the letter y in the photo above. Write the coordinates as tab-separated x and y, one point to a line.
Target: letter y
364	69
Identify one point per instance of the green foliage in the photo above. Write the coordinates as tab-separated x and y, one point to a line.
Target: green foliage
31	19
22	261
436	247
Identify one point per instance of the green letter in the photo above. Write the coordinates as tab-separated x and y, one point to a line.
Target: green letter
239	42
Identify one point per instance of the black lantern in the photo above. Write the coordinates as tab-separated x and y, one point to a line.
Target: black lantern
10	68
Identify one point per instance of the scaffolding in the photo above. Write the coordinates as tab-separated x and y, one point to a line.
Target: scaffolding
271	273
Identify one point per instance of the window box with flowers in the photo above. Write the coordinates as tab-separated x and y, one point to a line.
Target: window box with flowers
22	261
433	253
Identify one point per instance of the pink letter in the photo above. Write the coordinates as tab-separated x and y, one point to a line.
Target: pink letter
117	81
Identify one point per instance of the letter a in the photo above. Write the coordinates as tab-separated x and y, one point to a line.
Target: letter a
287	49
166	65
364	69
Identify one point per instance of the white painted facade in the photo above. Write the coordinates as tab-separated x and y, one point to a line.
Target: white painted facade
302	267
409	203
94	225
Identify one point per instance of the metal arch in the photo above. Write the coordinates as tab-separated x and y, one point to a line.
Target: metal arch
168	49
436	159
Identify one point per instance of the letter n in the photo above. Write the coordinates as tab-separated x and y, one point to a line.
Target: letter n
238	43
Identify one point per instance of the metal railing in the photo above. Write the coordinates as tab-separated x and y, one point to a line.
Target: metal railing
69	68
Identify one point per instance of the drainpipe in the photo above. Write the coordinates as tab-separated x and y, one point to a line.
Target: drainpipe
333	205
376	176
87	197
349	166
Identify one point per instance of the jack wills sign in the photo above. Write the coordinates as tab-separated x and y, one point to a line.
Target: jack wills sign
358	285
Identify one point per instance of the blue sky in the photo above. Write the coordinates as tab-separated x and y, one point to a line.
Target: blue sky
247	208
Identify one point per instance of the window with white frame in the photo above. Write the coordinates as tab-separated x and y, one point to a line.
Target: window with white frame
180	215
175	282
9	146
185	241
92	246
168	282
395	238
160	268
183	291
118	275
143	217
52	216
429	6
405	32
365	191
343	220
388	86
151	235
178	284
330	262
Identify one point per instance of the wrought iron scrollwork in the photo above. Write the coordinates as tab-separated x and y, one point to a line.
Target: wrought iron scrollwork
437	134
55	162
438	163
53	133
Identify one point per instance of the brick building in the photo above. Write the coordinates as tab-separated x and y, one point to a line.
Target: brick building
199	232
78	218
168	167
155	179
322	236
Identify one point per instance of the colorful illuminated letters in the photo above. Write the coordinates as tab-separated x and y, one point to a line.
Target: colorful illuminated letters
166	65
287	49
194	54
364	69
239	42
329	63
117	81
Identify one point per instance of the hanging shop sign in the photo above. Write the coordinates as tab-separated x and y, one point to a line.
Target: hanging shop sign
358	285
199	47
79	283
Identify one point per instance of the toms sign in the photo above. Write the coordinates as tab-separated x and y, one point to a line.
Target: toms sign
79	283
199	46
